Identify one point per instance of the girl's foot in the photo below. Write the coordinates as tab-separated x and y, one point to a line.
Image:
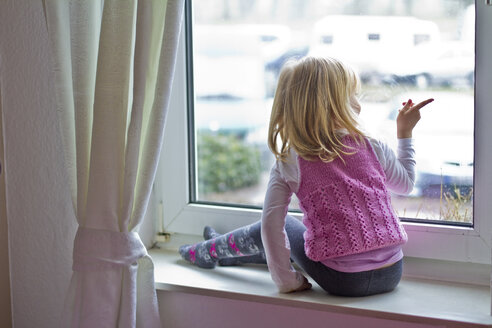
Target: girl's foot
198	255
210	233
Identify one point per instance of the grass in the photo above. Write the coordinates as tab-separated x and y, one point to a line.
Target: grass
457	206
453	205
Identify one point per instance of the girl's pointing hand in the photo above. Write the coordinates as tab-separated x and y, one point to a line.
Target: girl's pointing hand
408	117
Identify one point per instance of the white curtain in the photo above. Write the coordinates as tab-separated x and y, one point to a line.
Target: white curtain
114	65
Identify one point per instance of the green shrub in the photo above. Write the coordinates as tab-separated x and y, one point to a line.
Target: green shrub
225	162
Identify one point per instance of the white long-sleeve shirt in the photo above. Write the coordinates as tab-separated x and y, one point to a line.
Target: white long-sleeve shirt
284	181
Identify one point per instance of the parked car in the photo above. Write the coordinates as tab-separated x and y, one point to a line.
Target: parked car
443	141
370	43
443	64
272	46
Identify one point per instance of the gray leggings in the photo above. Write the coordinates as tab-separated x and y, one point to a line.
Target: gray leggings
334	282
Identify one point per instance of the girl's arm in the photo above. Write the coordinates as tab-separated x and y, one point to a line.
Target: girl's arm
274	237
399	168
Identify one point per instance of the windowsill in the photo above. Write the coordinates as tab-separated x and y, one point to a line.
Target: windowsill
415	300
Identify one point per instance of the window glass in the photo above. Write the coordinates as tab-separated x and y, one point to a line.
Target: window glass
401	49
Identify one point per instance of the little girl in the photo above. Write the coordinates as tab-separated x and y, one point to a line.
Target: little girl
350	239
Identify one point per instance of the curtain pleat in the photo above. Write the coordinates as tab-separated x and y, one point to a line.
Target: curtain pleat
114	64
85	27
111	101
158	105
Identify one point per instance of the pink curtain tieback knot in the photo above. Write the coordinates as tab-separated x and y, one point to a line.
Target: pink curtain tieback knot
100	250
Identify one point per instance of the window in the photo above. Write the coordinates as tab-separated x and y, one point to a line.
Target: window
236	49
234	118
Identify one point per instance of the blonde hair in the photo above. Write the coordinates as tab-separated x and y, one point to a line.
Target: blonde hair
311	106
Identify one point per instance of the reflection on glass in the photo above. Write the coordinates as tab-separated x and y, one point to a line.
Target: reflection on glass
401	49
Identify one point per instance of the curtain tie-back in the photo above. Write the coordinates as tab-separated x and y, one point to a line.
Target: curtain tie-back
100	250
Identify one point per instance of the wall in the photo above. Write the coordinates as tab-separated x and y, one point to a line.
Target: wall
41	225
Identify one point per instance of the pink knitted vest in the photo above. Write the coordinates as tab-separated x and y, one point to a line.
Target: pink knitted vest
347	208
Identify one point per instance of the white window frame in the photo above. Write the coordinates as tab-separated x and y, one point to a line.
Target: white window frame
452	243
